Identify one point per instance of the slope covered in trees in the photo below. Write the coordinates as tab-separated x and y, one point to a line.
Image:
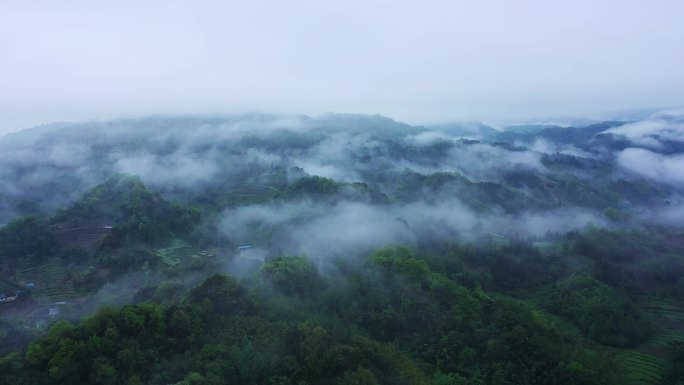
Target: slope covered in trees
390	320
337	250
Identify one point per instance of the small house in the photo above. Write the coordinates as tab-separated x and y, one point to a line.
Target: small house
8	299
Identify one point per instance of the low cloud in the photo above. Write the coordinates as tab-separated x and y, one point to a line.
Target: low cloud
653	131
546	147
182	169
349	229
663	168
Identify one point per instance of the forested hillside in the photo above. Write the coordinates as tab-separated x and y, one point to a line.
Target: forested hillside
342	249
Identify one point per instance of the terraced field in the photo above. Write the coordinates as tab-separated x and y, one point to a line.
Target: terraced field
247	194
175	253
52	282
644	365
641	368
85	234
669	319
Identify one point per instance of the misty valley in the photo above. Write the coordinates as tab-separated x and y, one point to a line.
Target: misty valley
342	249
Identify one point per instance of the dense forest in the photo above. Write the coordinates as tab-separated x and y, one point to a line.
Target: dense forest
343	249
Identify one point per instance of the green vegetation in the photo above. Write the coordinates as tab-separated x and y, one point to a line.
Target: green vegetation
26	241
292	275
315	185
641	368
434	260
145	216
52	281
601	312
173	254
390	320
486	312
674	364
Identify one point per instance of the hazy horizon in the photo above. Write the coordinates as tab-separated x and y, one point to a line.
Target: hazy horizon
564	120
416	62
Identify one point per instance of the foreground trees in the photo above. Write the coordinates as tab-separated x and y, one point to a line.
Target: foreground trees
388	320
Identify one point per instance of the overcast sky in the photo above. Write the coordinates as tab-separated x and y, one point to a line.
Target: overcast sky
417	61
